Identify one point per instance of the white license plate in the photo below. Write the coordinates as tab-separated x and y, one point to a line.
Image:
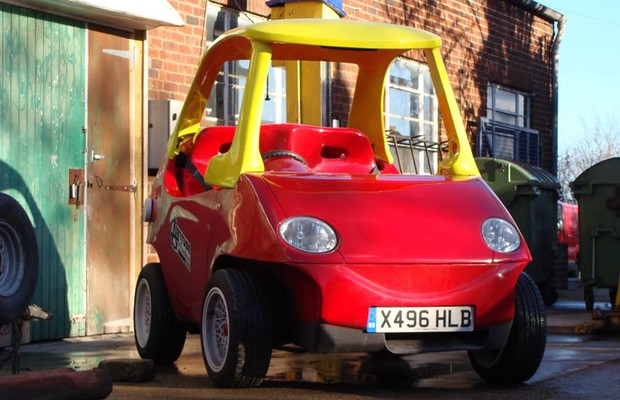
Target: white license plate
421	319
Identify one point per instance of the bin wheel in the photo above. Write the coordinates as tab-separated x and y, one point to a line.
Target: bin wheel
588	296
19	259
549	294
612	296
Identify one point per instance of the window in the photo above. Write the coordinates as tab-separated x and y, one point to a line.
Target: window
508	106
411	110
505	132
225	100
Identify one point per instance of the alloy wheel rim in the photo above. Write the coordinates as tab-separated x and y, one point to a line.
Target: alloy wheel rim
216	329
143	313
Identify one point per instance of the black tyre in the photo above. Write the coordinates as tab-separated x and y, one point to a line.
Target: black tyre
236	329
159	335
549	294
588	297
19	259
520	358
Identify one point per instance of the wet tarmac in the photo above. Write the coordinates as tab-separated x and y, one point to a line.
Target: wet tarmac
350	375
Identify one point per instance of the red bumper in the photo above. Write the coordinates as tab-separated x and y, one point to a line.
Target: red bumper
341	295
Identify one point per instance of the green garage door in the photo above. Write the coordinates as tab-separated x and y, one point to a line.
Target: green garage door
42	106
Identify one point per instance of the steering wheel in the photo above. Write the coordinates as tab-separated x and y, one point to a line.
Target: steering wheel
284	153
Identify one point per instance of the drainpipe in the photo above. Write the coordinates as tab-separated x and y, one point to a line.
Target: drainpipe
559	22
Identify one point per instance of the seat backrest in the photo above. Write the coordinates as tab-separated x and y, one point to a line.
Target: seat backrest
345	150
327	150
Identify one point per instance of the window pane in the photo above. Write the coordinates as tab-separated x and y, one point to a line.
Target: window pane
216	24
504	147
505	101
269	112
414	128
505	118
401	126
401	75
428	84
429	132
404	103
507	106
429	114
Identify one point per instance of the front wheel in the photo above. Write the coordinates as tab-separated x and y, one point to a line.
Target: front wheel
520	357
159	335
236	331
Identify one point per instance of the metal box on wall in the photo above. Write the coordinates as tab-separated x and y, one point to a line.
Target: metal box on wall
162	120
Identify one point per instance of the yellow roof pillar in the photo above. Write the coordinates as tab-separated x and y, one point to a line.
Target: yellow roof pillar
303	79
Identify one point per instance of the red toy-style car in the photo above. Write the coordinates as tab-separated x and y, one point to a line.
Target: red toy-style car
307	237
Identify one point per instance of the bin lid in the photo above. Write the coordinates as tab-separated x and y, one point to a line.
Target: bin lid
505	177
496	169
606	172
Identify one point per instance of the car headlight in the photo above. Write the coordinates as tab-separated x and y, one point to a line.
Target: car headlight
500	235
308	234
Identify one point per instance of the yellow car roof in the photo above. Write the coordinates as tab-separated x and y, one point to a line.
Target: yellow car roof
372	46
340	33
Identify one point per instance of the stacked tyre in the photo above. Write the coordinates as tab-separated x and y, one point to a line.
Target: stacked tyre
19	260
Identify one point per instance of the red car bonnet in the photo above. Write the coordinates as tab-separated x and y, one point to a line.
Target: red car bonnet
395	218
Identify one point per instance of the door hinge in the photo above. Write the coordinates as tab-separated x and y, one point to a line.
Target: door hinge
130	55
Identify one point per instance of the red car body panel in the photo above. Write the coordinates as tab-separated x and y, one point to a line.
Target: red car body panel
403	241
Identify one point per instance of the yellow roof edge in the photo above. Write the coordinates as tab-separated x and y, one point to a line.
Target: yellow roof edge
340	33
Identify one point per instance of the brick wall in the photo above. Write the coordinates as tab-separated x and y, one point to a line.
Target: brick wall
483	40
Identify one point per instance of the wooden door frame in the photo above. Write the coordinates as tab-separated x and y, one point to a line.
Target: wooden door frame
139	92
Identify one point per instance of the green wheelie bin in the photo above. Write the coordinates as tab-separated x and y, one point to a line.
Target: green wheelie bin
597	191
531	196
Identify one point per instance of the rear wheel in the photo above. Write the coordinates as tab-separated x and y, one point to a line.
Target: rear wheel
519	359
159	335
236	329
19	259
